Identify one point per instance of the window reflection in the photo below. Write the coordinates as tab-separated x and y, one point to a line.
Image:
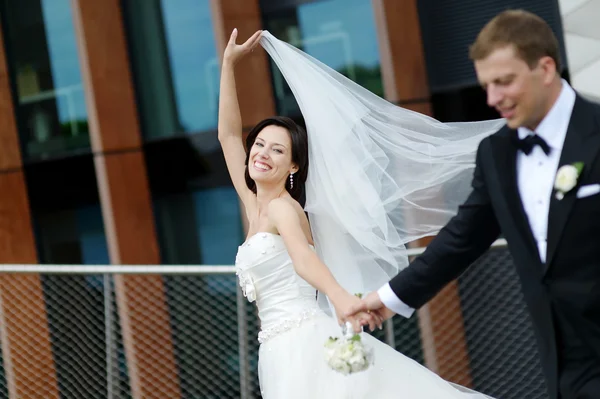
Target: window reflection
74	236
339	33
43	56
197	211
175	65
201	227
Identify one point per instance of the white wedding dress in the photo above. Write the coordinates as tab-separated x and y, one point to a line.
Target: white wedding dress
294	329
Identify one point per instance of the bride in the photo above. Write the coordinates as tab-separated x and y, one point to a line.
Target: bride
363	164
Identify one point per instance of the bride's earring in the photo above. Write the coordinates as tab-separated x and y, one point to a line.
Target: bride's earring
291	180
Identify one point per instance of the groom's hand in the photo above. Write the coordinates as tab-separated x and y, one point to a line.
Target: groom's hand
371	304
373	319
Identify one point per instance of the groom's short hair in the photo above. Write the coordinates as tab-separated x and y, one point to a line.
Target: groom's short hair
530	35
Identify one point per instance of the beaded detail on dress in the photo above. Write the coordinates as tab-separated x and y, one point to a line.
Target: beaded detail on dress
285	325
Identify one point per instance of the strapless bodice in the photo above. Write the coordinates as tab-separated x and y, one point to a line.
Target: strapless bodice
267	276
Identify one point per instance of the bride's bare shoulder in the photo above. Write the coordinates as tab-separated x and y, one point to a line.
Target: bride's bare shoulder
294	211
280	207
285	204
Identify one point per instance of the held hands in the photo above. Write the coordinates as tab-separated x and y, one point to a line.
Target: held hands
345	305
234	52
370	305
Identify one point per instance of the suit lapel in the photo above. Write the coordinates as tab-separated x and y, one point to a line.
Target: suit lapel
582	143
505	155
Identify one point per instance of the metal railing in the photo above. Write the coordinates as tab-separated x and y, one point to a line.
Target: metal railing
92	311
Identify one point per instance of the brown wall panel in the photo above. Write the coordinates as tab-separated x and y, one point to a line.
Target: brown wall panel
125	197
401	50
442	332
126	204
10	154
24	331
16	236
421	107
102	47
25	335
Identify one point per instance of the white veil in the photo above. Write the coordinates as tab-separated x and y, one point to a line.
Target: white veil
379	175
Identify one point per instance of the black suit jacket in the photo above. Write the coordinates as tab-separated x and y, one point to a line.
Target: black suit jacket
568	283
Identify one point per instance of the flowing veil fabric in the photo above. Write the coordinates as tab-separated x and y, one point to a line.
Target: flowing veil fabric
379	175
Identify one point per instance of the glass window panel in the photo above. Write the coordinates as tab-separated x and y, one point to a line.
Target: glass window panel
175	65
340	33
73	236
43	56
200	227
66	212
218	214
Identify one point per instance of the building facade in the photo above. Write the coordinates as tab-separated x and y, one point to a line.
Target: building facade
109	155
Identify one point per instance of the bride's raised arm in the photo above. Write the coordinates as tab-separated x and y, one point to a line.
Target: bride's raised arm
230	120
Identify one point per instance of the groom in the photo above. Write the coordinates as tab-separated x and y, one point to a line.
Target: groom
537	182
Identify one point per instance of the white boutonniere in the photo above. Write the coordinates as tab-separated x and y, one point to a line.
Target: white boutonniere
566	178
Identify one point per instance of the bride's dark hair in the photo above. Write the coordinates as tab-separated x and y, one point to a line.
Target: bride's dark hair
299	140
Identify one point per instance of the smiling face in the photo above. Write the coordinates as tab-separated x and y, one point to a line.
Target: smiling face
270	159
518	92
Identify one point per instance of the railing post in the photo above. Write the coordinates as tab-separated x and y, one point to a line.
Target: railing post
108	336
242	319
388	325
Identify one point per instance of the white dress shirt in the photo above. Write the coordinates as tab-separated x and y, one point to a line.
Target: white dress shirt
535	181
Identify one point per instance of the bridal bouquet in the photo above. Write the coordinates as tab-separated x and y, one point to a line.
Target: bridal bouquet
348	354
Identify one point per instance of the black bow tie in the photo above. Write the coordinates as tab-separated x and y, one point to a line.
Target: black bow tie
526	145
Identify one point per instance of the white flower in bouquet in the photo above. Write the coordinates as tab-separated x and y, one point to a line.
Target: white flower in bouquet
348	354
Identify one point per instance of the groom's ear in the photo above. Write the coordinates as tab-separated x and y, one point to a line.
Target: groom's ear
548	67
